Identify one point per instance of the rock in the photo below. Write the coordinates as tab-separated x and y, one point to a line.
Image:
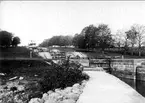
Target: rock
50	101
21	78
60	98
58	90
54	95
83	84
68	90
45	96
35	100
72	96
68	101
76	85
20	88
76	90
49	92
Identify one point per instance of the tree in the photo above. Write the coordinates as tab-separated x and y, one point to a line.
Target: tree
89	36
16	41
103	36
68	40
75	40
132	36
58	40
45	43
119	39
140	35
124	39
79	41
5	38
95	37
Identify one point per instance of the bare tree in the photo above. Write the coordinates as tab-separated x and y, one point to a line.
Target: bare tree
119	39
122	39
140	35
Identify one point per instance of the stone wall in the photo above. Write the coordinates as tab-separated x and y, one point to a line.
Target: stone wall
129	68
126	68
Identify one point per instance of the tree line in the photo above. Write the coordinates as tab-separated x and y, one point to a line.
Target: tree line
89	38
7	39
57	40
92	37
132	38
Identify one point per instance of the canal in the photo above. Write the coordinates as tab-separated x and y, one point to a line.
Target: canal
138	85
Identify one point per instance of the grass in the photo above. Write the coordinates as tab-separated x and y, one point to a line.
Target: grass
21	66
13	52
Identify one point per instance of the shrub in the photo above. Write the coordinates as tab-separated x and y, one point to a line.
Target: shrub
61	76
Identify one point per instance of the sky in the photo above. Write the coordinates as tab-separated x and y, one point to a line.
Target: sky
39	20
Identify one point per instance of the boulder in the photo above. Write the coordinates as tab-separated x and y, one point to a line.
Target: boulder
68	101
72	96
76	91
20	88
35	100
58	91
49	92
50	100
68	90
54	96
45	96
76	85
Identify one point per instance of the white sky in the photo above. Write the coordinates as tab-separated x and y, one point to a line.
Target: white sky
39	20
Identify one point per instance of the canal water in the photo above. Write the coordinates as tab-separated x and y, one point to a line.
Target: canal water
138	85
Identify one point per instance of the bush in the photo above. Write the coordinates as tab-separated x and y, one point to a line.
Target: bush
61	76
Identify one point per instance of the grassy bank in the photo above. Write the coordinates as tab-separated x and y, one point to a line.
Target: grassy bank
13	52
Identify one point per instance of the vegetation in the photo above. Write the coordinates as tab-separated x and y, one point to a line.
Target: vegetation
39	77
94	37
13	67
7	39
16	52
100	37
63	75
57	40
16	41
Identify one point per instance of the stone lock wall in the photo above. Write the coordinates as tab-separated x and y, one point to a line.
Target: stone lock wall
125	68
129	68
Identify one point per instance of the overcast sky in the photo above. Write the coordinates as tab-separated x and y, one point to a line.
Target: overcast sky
39	20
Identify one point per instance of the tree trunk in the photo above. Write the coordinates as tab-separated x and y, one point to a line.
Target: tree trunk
132	49
139	50
139	53
132	52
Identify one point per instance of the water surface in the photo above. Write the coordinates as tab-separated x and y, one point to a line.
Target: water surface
138	85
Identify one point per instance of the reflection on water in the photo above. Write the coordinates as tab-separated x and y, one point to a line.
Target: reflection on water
138	85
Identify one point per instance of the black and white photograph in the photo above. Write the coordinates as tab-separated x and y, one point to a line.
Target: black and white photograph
75	51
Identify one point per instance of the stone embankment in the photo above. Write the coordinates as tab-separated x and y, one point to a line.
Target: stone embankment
67	95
